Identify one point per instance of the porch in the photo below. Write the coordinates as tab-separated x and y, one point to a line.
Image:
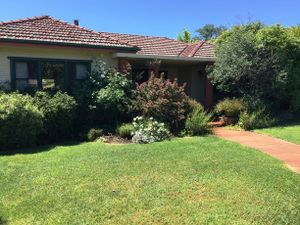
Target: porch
190	71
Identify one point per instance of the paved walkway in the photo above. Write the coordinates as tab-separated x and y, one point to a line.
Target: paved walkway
282	150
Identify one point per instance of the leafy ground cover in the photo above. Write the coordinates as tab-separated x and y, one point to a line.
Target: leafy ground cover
201	180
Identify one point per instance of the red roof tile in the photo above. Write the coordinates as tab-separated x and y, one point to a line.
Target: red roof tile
47	29
162	46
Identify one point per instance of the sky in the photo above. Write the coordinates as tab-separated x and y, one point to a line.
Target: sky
155	17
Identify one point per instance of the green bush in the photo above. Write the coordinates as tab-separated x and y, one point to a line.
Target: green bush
125	130
164	100
94	134
105	96
255	120
59	113
197	123
193	105
20	121
295	102
230	107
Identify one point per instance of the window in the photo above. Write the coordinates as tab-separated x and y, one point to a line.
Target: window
81	71
47	73
26	75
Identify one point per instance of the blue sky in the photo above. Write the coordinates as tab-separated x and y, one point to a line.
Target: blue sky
155	17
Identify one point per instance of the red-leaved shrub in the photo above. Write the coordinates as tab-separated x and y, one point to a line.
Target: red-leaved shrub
163	100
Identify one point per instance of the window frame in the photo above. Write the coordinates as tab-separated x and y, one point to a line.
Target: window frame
66	62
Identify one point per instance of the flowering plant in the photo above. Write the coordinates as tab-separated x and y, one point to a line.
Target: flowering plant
148	130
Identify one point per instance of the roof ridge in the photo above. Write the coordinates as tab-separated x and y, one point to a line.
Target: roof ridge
92	31
24	19
180	54
200	44
140	35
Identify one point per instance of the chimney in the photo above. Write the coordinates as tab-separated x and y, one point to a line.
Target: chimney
76	22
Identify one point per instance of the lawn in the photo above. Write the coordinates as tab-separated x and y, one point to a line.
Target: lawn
289	132
201	180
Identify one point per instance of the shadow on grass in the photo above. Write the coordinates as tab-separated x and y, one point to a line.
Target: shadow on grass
2	221
37	149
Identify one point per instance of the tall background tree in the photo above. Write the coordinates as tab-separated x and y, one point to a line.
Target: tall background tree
185	36
209	32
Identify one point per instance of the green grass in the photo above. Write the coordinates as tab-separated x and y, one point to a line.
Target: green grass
288	132
201	180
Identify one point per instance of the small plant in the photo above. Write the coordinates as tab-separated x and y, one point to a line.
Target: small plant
230	107
197	123
94	134
149	130
125	130
256	120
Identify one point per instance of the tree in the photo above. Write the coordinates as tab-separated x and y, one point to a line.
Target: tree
209	31
247	68
185	36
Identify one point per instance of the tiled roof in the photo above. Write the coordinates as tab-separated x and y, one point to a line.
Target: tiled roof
46	29
162	46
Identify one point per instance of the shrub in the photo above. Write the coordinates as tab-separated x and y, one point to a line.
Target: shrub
255	120
163	100
149	130
59	113
20	121
94	134
105	97
197	123
193	105
295	102
125	130
230	107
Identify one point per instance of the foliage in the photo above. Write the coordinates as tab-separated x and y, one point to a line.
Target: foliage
185	36
126	130
259	62
197	123
230	107
20	121
209	31
148	130
94	134
193	105
245	68
106	94
59	112
255	120
163	100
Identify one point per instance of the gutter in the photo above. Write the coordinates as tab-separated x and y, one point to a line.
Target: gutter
68	44
171	58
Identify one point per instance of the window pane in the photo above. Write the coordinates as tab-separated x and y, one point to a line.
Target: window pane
21	84
26	75
81	71
21	70
52	75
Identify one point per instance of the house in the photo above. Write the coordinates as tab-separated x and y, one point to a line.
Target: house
29	47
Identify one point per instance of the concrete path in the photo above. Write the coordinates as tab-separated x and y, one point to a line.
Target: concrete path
280	149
